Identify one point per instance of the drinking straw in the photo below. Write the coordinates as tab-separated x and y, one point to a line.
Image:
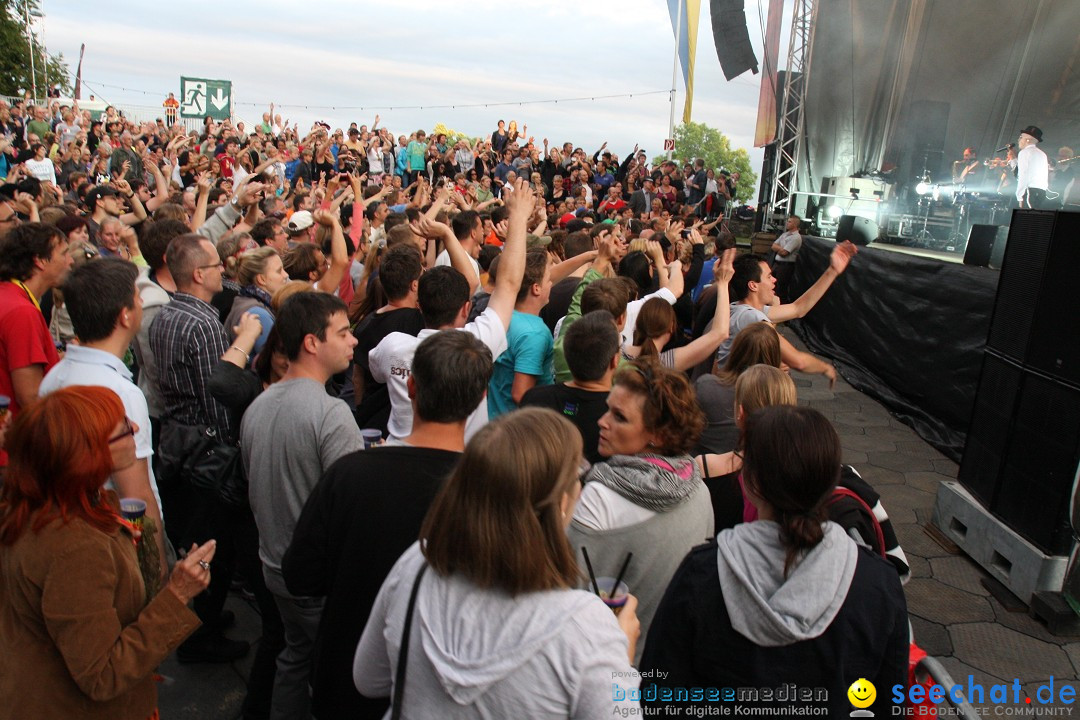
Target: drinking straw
619	577
592	575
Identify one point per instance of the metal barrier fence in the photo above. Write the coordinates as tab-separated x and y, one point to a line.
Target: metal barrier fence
135	113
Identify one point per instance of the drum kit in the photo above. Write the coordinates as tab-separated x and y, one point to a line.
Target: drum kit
966	204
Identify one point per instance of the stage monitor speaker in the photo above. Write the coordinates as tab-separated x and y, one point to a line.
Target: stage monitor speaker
731	38
986	246
1023	452
1035	296
859	230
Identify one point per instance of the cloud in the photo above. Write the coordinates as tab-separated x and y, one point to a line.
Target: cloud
336	54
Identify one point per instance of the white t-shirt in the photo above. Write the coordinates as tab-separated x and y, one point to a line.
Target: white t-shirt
90	366
444	259
634	307
375	160
43	170
390	362
601	508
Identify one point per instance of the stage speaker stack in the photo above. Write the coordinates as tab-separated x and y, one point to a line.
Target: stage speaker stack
731	37
1022	456
986	246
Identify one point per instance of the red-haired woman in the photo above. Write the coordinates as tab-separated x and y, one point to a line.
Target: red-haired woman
77	637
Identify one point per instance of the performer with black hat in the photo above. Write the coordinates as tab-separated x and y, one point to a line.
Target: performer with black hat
1032	170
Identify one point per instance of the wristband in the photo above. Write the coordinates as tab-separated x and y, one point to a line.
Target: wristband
239	350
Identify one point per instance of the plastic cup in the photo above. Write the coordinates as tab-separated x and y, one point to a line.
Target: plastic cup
133	510
372	437
614	600
5	405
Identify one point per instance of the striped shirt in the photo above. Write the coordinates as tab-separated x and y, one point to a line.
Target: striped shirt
188	340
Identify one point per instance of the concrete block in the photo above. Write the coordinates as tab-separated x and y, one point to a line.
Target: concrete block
1003	553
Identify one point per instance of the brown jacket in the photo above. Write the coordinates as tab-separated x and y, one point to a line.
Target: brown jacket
77	638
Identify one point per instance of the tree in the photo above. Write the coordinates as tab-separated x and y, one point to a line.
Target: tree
452	136
15	77
698	140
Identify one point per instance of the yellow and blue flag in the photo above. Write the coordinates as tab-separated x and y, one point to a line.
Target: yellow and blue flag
687	43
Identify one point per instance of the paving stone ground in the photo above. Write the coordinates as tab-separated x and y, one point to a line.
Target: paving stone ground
953	616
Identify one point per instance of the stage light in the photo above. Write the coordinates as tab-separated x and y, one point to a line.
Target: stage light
834	212
922	188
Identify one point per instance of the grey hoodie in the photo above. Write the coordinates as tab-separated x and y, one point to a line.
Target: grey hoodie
769	609
154	298
477	653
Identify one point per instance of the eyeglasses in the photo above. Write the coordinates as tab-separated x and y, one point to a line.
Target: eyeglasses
218	264
125	433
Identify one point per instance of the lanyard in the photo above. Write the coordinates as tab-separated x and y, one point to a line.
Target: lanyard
28	294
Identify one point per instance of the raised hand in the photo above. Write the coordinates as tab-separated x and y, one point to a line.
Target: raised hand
249	193
655	251
723	268
425	227
841	256
325	218
521	199
606	245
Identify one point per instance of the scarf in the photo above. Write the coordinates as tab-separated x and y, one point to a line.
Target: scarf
653	482
257	293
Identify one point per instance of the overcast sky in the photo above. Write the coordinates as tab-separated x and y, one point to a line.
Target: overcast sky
343	54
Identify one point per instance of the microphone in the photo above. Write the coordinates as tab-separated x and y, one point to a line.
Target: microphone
1010	146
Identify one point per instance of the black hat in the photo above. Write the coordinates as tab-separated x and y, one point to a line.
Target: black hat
96	193
1033	132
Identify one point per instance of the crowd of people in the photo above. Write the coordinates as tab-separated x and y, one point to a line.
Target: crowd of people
404	392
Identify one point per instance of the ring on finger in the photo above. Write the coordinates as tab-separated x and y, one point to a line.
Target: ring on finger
204	565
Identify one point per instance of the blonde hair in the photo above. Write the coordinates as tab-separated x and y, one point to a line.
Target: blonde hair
286	291
254	263
638	245
764	386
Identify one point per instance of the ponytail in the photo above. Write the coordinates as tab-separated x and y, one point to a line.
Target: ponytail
654	319
792	462
800	533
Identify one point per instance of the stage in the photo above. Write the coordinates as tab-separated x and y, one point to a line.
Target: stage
949	257
906	326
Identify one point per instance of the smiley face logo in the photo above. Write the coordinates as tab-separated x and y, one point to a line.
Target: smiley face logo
862	693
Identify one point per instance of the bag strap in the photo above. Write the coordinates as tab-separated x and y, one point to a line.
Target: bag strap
403	655
842	492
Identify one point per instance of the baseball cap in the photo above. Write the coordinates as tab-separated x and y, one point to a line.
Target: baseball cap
300	220
96	193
